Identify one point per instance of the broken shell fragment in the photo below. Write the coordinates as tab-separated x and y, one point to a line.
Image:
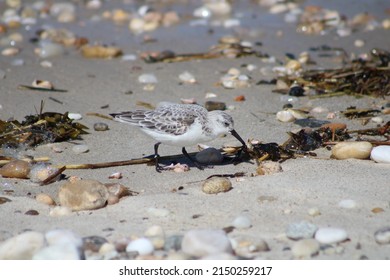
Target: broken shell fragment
216	185
42	84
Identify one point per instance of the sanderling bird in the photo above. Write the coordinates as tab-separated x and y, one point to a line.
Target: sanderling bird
180	125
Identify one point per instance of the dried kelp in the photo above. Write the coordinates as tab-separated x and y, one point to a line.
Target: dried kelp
39	129
361	77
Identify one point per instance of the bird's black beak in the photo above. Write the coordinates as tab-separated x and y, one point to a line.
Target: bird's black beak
235	134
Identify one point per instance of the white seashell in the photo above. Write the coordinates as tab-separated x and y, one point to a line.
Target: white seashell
381	154
42	84
210	95
187	77
75	116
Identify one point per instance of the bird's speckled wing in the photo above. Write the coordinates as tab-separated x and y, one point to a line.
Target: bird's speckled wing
172	119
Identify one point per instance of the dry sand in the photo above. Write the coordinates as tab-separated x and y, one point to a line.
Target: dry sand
304	183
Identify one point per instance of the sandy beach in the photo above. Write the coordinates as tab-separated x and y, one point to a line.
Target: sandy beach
351	195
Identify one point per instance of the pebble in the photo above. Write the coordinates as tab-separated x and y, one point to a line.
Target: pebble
382	236
305	248
22	246
381	154
285	116
11	51
16	169
314	211
93	243
377	120
79	149
143	246
242	222
329	235
359	43
75	116
214	105
187	77
301	230
209	156
173	243
66	251
269	168
216	185
59	211
158	212
100	126
147	79
156	235
41	172
347	204
63	236
346	150
204	242
83	195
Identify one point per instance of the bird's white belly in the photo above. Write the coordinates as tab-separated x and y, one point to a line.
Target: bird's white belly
193	136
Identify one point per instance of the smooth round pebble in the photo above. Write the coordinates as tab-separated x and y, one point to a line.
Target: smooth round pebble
75	116
330	235
285	116
45	199
15	169
382	236
143	246
65	251
346	150
63	236
209	156
242	222
60	211
156	235
347	204
305	248
314	211
79	149
203	242
22	246
100	126
216	185
301	230
381	154
187	77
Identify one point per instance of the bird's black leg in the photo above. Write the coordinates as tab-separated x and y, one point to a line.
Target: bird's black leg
157	156
192	161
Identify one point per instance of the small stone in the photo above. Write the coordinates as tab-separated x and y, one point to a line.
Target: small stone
173	243
156	235
79	149
346	150
330	235
314	211
305	248
377	210
75	116
143	246
158	212
269	168
301	230
10	51
377	120
83	195
382	236
48	49
16	169
60	211
347	204
214	105
147	79
41	172
242	222
63	236
100	126
93	243
216	185
285	116
209	156
187	77
22	246
203	242
359	43
381	154
106	248
65	251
